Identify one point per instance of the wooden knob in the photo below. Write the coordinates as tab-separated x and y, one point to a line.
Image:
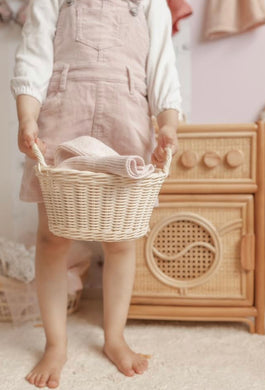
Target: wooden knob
189	159
234	158
211	159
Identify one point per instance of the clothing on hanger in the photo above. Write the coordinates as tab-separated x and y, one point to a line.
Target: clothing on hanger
179	9
228	17
6	13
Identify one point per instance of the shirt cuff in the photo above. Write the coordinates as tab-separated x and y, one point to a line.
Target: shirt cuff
27	90
168	106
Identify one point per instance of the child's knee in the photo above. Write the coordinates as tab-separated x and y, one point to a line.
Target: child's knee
48	239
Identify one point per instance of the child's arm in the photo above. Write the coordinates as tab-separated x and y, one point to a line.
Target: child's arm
167	122
162	77
33	68
28	109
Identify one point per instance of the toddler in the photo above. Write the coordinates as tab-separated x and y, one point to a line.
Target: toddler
100	68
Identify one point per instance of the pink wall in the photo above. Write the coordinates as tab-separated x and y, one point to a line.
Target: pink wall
228	75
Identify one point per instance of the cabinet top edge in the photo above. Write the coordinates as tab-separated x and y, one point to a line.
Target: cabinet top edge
213	127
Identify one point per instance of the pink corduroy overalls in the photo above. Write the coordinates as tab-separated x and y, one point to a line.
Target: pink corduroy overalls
98	85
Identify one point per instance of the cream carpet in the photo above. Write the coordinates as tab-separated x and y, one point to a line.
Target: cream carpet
185	356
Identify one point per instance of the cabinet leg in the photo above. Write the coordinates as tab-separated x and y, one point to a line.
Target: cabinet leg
259	324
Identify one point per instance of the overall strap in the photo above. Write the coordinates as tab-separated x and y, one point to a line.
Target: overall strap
132	8
135	7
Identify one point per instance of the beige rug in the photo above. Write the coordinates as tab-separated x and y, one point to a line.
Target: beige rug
185	356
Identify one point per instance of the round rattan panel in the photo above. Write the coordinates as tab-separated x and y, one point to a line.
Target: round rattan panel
183	250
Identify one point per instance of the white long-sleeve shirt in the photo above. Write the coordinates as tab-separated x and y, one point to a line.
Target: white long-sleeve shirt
34	55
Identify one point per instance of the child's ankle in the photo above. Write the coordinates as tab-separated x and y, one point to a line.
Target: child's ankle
114	338
59	344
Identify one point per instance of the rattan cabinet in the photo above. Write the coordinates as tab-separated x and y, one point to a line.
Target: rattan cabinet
203	257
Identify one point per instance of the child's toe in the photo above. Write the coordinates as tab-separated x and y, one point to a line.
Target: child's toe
127	370
31	378
43	380
28	376
53	381
140	365
37	380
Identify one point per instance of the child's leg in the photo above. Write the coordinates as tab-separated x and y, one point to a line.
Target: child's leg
118	279
51	281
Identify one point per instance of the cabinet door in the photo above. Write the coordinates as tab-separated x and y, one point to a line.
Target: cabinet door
199	251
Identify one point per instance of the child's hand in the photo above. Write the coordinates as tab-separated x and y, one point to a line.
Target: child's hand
27	136
167	136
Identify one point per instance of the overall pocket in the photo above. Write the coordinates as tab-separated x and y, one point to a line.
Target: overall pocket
56	88
98	28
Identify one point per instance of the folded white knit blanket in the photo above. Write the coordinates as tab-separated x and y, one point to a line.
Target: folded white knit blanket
88	153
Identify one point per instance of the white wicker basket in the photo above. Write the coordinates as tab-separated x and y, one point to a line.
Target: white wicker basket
84	205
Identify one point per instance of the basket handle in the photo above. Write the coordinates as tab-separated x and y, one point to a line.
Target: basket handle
166	166
39	155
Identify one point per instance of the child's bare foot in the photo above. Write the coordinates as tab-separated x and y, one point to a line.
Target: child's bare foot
47	371
127	361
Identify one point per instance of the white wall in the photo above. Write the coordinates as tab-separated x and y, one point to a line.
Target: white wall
227	74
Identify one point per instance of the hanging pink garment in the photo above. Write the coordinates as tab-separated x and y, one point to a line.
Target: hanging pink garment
179	9
227	17
5	12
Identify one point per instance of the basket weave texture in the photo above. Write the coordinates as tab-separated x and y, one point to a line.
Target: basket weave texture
84	205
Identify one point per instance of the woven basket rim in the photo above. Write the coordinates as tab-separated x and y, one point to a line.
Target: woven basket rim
97	175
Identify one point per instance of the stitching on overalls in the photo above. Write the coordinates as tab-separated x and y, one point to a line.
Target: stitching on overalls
63	77
130	80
